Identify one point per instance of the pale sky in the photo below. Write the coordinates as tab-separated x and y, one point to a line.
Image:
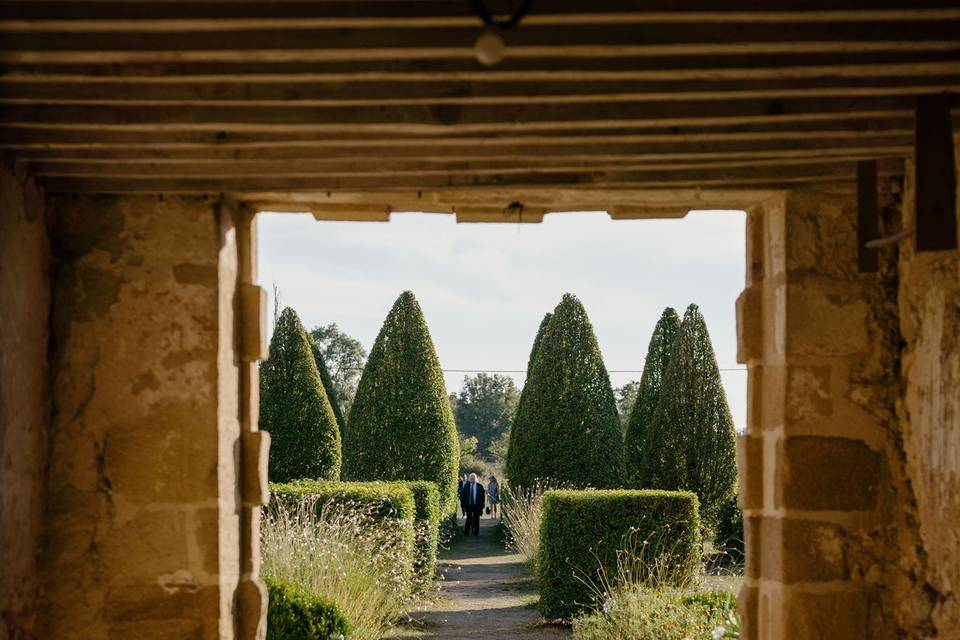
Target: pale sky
485	287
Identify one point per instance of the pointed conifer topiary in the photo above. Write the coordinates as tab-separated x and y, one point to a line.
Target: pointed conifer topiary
648	395
328	386
692	443
294	408
569	421
401	424
520	450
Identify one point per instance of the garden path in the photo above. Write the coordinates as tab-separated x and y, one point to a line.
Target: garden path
485	592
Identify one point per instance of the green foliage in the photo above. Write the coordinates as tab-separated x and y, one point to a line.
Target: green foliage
392	500
295	614
401	425
485	407
499	447
345	553
585	534
626	397
729	535
567	429
294	408
692	443
472	464
657	614
521	447
328	386
427	530
344	357
639	425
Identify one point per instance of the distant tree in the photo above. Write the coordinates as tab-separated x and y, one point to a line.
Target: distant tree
468	445
401	425
328	386
569	415
692	443
484	408
294	408
498	448
640	421
626	397
521	449
344	357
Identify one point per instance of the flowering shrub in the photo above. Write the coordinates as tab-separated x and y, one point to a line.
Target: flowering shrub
343	553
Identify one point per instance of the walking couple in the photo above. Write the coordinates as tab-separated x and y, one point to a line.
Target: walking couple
473	498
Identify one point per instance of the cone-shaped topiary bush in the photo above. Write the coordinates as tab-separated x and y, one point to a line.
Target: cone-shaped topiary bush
401	425
520	450
692	443
648	395
568	422
328	386
294	408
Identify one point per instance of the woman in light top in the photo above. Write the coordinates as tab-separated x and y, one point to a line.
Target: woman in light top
493	495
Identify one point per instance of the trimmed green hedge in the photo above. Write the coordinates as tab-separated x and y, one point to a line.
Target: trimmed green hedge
385	500
581	533
295	614
427	529
416	502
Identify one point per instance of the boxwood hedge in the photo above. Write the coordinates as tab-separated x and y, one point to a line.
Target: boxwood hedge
426	499
582	534
416	503
295	614
384	500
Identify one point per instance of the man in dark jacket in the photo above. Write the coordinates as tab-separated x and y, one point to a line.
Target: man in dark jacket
472	499
461	483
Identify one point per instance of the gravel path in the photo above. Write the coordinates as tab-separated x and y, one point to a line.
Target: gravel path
485	592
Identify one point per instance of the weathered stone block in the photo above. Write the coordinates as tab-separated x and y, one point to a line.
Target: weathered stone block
750	466
750	325
809	396
825	616
803	551
823	473
825	320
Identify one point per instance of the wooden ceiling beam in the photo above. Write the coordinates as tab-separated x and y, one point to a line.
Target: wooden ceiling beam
563	67
869	125
436	118
455	42
405	92
106	15
693	176
586	147
467	164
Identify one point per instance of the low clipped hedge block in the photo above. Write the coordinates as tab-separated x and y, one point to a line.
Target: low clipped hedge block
426	499
384	500
582	533
295	614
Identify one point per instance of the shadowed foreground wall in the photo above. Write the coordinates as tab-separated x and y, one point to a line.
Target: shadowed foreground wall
24	416
142	525
850	467
929	305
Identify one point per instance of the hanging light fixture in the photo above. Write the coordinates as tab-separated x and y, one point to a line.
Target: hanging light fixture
490	47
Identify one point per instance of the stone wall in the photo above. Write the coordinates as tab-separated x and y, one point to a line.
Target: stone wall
142	523
929	305
24	414
827	502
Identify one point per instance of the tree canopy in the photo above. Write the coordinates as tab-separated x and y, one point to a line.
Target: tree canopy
484	408
520	450
294	408
400	425
328	386
344	357
568	418
640	422
692	442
